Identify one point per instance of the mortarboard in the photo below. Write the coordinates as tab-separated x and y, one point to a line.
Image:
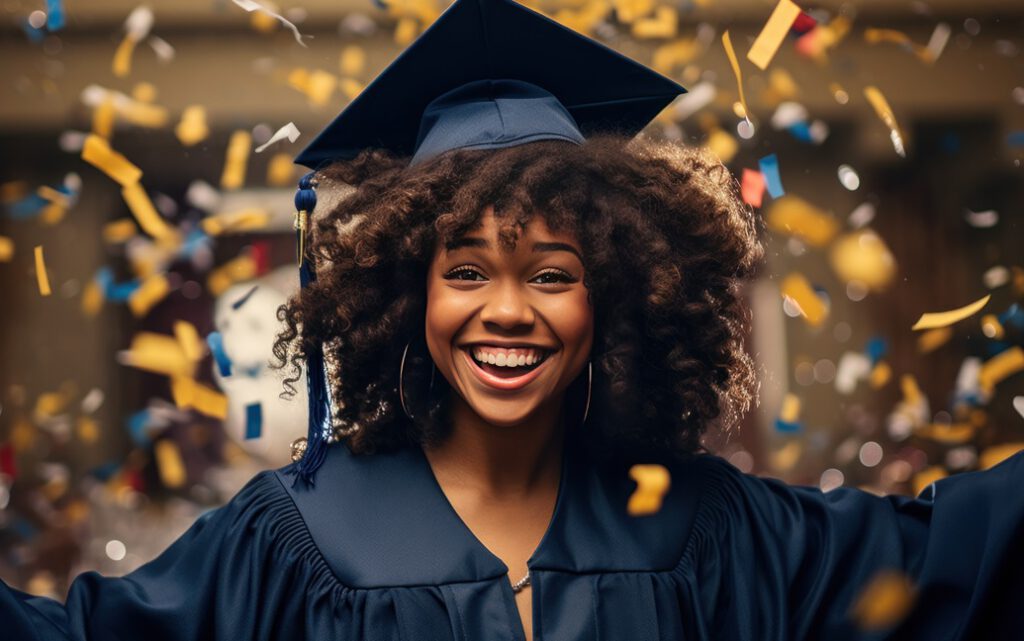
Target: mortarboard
486	74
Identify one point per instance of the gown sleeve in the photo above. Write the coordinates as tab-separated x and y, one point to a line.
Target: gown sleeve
236	573
774	561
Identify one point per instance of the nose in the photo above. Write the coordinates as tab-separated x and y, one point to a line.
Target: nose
508	307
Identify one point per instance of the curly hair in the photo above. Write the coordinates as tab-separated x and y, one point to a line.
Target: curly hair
667	246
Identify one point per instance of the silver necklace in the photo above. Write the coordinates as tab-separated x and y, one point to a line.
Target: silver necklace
519	585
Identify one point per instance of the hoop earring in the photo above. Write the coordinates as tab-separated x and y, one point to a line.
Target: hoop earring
590	379
401	381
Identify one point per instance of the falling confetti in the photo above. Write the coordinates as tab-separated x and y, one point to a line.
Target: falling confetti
752	187
773	33
236	161
884	111
885	601
251	5
289	131
41	277
942	319
653	481
770	169
796	288
727	42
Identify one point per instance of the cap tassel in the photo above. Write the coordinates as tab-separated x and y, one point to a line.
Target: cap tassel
319	395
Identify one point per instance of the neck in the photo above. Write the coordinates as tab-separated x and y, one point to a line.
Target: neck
499	462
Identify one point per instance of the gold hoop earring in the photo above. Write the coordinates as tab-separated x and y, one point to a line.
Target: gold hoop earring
590	379
401	382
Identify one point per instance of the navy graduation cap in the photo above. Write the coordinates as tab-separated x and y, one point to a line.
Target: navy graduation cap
486	74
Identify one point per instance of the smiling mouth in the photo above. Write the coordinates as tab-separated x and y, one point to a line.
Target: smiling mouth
506	376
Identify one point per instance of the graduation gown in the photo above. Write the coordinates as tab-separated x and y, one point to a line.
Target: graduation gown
376	552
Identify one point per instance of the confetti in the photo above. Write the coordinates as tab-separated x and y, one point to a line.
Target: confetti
852	367
54	15
664	24
795	216
798	291
253	421
1000	367
240	269
97	152
722	144
188	394
933	339
147	216
6	249
153	290
992	456
943	319
280	170
120	230
289	131
251	5
169	463
192	128
669	56
862	257
237	221
164	51
786	457
885	601
699	96
789	415
236	161
352	61
773	33
87	430
41	278
216	343
245	298
122	63
189	340
884	111
752	187
653	481
770	169
727	42
947	433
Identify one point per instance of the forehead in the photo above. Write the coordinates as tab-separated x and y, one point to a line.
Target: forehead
490	227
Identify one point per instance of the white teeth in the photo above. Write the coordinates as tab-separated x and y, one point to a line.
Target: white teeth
492	359
521	360
501	360
518	357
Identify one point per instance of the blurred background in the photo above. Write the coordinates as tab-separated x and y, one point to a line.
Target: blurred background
146	239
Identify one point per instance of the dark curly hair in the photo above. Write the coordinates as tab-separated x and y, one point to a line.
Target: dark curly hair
666	247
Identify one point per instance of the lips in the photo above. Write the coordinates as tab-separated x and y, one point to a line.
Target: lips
505	383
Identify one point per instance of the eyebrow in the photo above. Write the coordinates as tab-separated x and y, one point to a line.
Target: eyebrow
481	243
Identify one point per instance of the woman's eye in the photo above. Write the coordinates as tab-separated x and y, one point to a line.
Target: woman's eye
554	277
463	273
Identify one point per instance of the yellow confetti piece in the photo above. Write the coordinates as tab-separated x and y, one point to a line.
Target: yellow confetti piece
152	290
76	512
41	278
6	249
144	92
795	216
321	87
98	153
653	481
884	112
947	433
885	601
168	461
54	489
158	353
880	375
351	88
722	144
352	61
992	456
103	118
727	41
53	214
192	129
144	115
933	339
237	221
663	24
790	412
862	256
122	64
146	214
240	269
773	33
785	458
188	394
406	31
92	298
23	435
669	56
188	338
120	230
236	160
991	327
943	319
281	171
263	22
1000	367
49	404
797	288
87	429
911	390
781	86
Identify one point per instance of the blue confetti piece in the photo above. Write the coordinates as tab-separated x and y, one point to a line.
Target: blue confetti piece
24	529
216	343
770	170
27	207
787	427
35	36
253	421
115	292
54	15
244	299
106	471
995	348
801	131
1013	316
195	240
1015	139
876	348
137	424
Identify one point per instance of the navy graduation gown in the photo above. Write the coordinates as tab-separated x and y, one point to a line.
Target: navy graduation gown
376	552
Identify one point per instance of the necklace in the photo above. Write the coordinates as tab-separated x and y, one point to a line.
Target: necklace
519	585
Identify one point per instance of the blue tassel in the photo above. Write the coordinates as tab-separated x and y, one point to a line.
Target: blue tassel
319	395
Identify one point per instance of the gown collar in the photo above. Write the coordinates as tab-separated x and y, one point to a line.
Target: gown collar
382	520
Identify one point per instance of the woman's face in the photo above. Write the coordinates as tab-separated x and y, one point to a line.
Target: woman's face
509	330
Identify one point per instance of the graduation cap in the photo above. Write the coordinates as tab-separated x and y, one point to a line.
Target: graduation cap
486	74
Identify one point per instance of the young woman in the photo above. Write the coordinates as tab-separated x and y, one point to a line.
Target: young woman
494	332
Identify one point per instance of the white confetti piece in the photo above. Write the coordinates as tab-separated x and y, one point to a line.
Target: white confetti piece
252	5
164	50
289	131
139	22
1018	404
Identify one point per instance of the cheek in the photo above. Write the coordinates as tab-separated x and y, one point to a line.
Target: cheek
572	319
445	315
